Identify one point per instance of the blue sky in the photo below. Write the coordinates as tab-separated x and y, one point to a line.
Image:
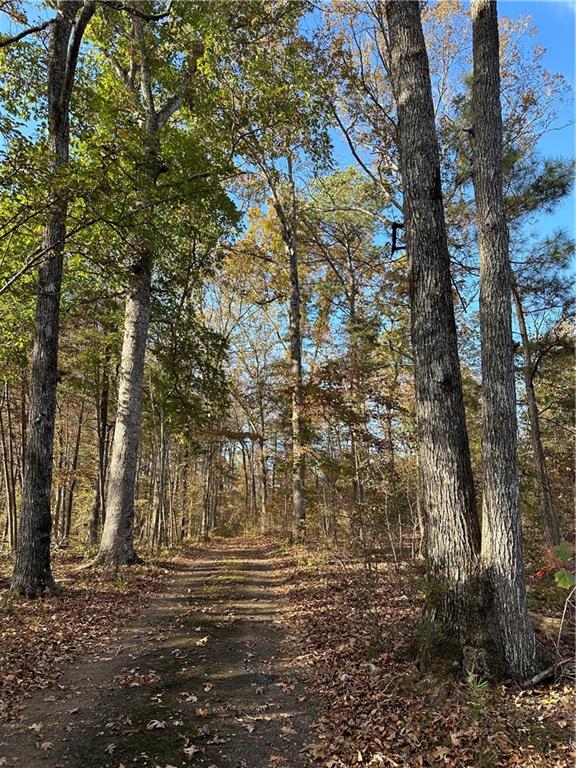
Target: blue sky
555	21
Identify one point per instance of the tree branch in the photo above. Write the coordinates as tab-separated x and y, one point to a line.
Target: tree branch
6	41
38	255
133	11
72	58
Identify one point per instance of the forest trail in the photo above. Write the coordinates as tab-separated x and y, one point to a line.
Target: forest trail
199	680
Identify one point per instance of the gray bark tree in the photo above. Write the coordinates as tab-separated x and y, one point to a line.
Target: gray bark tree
501	526
529	368
32	575
9	466
287	217
117	543
452	617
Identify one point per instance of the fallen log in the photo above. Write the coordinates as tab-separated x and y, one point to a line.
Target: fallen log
550	625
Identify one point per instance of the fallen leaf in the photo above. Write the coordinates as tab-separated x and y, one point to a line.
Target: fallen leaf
156	724
190	698
191	750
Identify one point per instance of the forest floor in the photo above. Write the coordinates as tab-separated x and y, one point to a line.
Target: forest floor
355	626
244	654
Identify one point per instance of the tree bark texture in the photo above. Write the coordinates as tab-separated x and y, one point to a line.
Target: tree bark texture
501	527
298	456
98	512
32	575
287	217
117	543
453	612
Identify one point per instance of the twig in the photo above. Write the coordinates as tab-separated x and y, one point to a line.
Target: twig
545	674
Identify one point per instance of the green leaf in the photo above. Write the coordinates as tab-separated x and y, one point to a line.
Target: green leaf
565	579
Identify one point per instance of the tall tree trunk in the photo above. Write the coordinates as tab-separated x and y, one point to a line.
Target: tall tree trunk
298	456
32	575
159	533
60	482
117	543
501	527
102	403
185	519
73	470
205	521
287	216
549	517
246	480
23	423
451	619
263	475
9	479
253	488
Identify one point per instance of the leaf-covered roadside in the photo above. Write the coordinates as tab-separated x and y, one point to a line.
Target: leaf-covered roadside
39	638
376	709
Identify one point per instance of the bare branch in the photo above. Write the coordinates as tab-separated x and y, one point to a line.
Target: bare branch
134	11
6	41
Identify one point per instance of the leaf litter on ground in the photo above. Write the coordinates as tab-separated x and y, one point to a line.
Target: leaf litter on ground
353	631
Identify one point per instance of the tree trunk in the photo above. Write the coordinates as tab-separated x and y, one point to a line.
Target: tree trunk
263	475
23	424
452	618
246	480
102	404
298	456
185	519
73	470
501	527
32	575
9	479
288	222
253	488
56	524
205	522
159	532
549	517
117	544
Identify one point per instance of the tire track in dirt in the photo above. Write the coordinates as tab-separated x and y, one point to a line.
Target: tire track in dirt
199	680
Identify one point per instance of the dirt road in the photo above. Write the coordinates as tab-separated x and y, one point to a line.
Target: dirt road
201	680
